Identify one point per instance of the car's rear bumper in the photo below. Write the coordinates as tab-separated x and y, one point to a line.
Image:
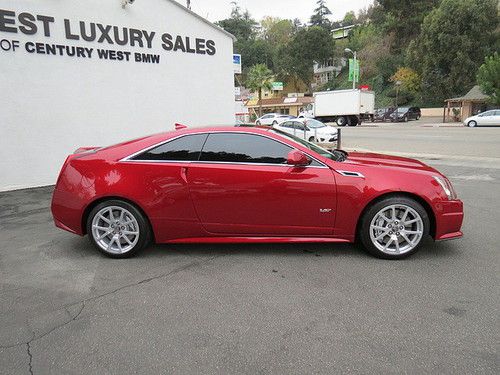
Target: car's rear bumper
449	219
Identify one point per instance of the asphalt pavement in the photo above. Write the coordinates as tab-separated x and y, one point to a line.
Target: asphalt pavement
259	309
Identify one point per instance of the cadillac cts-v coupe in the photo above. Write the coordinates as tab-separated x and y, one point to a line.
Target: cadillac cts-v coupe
250	185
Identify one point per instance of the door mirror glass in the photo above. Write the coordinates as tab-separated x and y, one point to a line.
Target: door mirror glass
298	159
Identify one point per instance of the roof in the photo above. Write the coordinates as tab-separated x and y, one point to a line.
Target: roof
203	19
474	94
280	102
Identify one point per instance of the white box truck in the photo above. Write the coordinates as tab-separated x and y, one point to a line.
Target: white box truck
344	107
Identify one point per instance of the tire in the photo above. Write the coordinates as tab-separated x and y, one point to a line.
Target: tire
472	124
353	121
341	121
311	139
417	118
377	235
275	123
113	240
405	119
257	123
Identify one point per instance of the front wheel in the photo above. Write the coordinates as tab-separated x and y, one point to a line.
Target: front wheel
257	123
118	229
394	228
472	124
311	139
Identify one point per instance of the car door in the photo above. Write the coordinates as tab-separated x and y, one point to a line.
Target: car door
486	118
299	128
242	186
267	120
163	184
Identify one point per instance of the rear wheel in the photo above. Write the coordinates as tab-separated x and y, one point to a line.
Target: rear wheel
342	121
118	229
311	139
394	228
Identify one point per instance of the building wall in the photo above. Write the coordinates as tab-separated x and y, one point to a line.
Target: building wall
51	105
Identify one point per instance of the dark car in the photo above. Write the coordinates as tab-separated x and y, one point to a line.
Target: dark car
405	114
383	114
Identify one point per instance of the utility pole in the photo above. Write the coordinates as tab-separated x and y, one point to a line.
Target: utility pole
188	4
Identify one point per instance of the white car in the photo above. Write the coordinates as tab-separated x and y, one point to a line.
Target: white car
272	119
309	129
486	118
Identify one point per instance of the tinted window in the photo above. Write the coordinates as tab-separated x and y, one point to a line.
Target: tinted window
243	148
186	148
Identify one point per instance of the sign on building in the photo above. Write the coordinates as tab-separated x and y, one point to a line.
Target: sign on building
277	86
237	63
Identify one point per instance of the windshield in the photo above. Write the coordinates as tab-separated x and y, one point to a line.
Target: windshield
335	155
314	124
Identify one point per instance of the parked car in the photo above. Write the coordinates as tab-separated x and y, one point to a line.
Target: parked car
237	184
405	114
383	114
490	118
308	129
272	119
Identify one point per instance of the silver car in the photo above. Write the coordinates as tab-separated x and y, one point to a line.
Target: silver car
488	118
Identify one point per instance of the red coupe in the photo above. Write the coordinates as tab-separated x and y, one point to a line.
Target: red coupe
250	185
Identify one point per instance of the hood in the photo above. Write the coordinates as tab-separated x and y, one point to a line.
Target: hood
372	159
326	130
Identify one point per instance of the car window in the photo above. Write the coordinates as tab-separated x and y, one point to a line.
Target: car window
488	113
315	124
187	148
497	113
286	124
298	125
244	148
267	116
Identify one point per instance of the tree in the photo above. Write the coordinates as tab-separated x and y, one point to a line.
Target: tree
404	18
488	77
349	19
308	46
319	17
453	41
410	80
277	31
259	78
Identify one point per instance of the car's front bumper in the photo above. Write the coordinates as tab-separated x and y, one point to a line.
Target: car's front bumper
449	218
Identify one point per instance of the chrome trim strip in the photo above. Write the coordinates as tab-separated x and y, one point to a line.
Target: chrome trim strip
350	173
127	158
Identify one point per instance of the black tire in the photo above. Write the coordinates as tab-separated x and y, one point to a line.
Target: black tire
405	119
275	123
144	236
341	121
417	118
364	227
311	139
257	123
472	124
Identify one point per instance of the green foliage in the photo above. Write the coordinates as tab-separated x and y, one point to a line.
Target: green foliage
404	17
349	19
259	77
488	77
307	46
453	41
320	16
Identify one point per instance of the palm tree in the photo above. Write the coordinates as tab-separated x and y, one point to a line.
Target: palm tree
259	77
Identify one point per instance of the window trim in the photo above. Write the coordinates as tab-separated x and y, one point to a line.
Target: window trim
130	160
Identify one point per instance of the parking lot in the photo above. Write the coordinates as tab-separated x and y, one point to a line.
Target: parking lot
281	308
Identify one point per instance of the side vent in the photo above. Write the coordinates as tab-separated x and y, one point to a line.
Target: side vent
350	174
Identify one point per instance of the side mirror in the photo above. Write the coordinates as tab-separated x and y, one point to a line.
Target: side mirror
297	159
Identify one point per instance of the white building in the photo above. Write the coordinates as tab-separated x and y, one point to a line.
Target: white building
89	73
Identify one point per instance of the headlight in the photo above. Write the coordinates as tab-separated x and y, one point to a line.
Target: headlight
447	187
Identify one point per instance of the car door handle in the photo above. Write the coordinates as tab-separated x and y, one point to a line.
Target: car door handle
184	171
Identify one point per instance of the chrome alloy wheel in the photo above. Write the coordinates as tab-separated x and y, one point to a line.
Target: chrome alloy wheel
115	230
396	229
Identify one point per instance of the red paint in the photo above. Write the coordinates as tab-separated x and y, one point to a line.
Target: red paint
211	202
